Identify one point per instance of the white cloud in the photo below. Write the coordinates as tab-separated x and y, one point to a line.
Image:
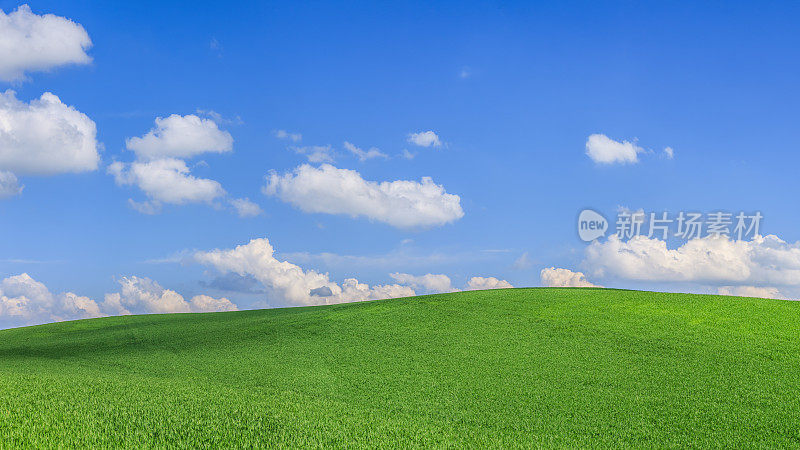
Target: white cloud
553	277
31	42
45	137
364	155
25	301
669	152
166	181
604	150
289	284
762	261
160	169
76	306
481	283
316	153
283	134
403	204
752	291
430	282
145	296
425	139
245	208
407	154
181	137
205	303
9	185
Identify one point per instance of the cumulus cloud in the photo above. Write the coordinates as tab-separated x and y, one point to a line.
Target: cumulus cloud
289	284
429	282
762	261
31	42
25	301
179	136
78	307
425	139
752	291
604	150
483	283
160	169
553	277
669	152
45	137
9	185
245	208
283	134
165	181
145	296
364	155
403	204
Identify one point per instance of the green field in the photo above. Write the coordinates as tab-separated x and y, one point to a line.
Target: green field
517	367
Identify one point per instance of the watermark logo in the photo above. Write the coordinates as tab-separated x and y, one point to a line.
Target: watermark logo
663	225
591	225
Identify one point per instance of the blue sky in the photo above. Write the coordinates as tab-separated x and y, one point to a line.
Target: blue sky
512	90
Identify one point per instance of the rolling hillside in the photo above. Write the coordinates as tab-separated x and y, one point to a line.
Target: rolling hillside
552	367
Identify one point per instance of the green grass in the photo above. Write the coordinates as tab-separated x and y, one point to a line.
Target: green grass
521	367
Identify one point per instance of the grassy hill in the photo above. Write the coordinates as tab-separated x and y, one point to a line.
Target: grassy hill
551	367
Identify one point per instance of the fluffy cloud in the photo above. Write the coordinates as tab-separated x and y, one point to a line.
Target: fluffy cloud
166	181
78	307
25	301
604	150
181	137
553	277
425	139
145	296
30	42
752	291
45	137
429	282
762	261
289	284
403	204
481	283
245	208
160	169
364	155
